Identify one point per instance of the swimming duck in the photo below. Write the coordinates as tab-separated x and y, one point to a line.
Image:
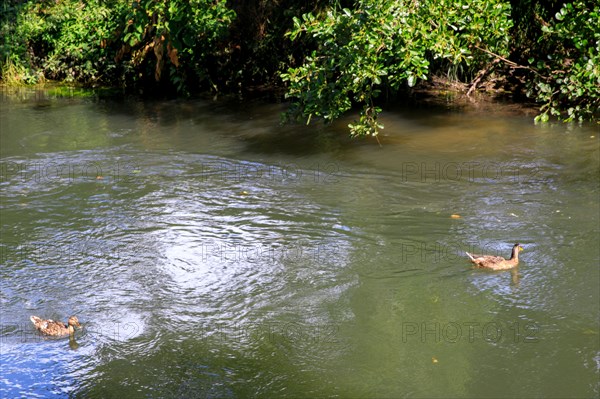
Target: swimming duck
497	262
55	328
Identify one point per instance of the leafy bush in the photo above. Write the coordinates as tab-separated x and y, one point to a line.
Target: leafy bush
568	80
342	53
12	49
184	34
384	44
67	40
106	42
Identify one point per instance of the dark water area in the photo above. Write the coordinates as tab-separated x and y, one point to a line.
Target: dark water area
210	251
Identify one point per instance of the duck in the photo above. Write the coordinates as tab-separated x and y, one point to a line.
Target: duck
56	328
497	262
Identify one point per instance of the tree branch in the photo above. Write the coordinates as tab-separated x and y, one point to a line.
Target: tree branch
509	62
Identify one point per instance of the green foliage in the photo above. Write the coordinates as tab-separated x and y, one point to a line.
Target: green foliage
384	44
66	40
259	50
568	79
184	34
104	41
12	71
342	53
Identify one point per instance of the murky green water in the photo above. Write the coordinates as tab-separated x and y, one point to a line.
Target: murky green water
211	252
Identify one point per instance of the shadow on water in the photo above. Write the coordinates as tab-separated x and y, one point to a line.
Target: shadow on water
258	126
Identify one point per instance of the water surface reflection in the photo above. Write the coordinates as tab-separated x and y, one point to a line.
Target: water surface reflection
210	251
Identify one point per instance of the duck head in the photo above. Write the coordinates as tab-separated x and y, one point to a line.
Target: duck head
73	322
515	251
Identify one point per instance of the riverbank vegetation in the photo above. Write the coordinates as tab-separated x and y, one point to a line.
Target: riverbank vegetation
328	57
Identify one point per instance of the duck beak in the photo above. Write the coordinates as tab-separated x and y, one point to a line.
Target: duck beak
520	248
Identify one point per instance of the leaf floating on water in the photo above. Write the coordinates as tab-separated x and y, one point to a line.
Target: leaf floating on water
434	360
455	216
244	192
512	214
99	177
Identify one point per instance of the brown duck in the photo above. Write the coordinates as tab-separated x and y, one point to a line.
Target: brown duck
55	328
497	262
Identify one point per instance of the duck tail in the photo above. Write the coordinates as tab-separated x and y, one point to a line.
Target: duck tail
470	257
36	321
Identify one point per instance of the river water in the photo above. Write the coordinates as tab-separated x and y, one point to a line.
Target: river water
210	251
